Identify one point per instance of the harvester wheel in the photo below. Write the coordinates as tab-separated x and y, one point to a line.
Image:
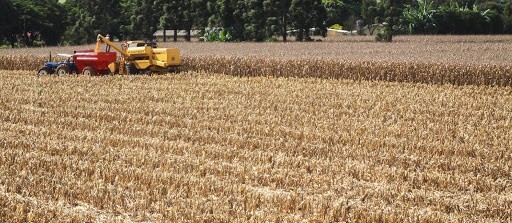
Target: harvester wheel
62	70
148	73
44	71
174	69
131	69
88	71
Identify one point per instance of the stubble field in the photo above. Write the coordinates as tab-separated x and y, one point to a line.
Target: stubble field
205	147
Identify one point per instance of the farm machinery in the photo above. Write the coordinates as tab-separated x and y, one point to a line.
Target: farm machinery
137	57
86	62
60	68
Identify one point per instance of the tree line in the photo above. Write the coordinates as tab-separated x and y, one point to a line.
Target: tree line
52	22
442	17
78	22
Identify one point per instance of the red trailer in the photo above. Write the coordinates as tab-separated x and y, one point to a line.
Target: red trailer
91	63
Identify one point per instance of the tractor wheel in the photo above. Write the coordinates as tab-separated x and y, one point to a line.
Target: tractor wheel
131	69
44	71
88	71
62	70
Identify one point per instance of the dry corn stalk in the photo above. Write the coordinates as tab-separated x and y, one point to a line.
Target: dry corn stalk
208	147
412	72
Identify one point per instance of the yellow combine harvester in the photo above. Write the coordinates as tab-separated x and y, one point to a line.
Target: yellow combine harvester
141	58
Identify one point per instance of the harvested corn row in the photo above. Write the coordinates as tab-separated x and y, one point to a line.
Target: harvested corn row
204	147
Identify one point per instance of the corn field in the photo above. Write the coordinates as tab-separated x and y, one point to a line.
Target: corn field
196	147
411	133
429	73
467	60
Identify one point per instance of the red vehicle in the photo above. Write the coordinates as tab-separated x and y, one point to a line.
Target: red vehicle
91	63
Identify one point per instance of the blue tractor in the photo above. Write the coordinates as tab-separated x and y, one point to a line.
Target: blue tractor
59	68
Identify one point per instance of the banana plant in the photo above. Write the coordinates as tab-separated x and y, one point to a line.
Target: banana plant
421	18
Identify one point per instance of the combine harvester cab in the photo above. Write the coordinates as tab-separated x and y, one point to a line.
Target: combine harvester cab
91	63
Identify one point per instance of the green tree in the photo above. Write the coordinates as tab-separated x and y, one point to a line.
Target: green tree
277	16
241	16
336	11
255	21
230	15
88	18
178	15
214	15
8	22
507	18
188	19
200	12
320	16
31	19
271	11
55	25
393	11
223	15
127	8
307	14
375	13
145	19
343	12
172	17
369	11
299	16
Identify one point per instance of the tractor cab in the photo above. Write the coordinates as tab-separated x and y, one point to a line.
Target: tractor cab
60	68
